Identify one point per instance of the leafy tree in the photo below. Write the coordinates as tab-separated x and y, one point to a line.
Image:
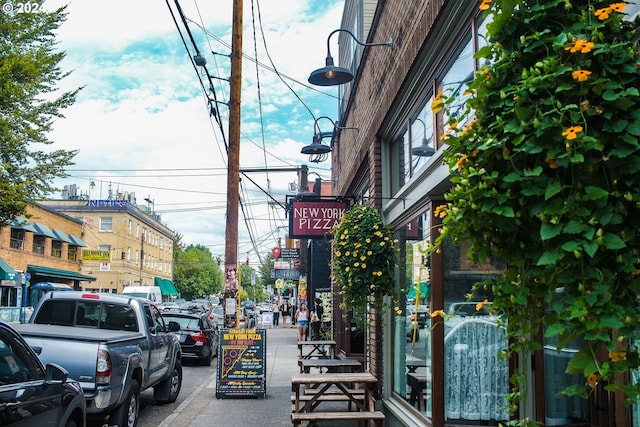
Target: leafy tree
545	175
264	272
196	272
29	71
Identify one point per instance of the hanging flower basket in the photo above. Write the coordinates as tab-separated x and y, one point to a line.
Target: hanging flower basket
364	257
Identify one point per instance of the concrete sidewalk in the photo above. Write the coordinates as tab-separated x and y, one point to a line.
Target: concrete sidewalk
202	409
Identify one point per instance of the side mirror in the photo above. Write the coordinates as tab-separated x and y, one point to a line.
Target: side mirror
174	326
55	374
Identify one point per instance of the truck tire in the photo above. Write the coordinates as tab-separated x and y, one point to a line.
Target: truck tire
168	390
126	415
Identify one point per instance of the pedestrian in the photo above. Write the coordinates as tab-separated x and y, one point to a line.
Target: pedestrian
302	320
276	314
316	319
285	312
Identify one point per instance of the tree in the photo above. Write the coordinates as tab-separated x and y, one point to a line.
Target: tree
29	71
196	273
545	177
265	272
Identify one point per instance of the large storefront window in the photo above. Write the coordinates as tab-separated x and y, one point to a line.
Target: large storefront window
476	378
412	356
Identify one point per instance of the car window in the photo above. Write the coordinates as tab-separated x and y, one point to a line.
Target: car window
15	364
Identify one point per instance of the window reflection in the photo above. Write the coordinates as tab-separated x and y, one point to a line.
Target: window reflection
412	358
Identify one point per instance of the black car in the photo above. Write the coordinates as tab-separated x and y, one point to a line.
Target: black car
198	336
34	395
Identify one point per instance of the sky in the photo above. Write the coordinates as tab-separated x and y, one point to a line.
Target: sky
142	120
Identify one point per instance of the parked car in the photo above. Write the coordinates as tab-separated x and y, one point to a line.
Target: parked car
121	346
32	394
198	335
206	303
169	305
421	316
218	316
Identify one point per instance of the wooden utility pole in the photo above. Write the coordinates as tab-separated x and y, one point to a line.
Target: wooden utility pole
233	171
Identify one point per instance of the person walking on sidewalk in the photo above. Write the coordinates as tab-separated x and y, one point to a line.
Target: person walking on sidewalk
302	319
285	312
276	314
316	319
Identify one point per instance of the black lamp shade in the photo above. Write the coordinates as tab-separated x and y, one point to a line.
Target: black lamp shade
330	75
316	147
423	150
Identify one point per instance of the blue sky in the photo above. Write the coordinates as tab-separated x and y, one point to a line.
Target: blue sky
141	123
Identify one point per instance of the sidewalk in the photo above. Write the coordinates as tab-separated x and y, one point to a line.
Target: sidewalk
202	409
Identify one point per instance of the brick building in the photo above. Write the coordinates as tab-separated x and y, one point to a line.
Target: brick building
447	373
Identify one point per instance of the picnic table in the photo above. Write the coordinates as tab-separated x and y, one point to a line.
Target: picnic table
418	384
414	364
331	365
357	389
316	348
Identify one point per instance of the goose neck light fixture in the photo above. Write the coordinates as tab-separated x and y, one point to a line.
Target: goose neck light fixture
317	151
331	75
424	149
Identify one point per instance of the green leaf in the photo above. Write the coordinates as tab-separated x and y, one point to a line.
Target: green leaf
554	188
613	241
549	231
595	193
548	258
581	364
554	329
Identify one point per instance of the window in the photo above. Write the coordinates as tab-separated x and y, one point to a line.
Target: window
161	243
8	296
38	244
72	253
104	247
17	239
106	223
129	253
56	248
137	231
130	227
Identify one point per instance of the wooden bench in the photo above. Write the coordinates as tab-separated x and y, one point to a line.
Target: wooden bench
334	391
418	384
372	416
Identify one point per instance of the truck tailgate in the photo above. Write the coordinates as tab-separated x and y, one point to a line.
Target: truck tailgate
73	348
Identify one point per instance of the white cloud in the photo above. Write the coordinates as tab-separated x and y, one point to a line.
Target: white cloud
142	111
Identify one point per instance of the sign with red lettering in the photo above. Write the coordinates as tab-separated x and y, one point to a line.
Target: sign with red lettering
315	219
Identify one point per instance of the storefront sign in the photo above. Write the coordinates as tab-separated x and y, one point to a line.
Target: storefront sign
242	363
95	255
315	219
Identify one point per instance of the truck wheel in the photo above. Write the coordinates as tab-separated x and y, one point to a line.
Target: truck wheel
127	413
171	386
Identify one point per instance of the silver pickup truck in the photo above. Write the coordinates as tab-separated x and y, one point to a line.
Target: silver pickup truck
115	346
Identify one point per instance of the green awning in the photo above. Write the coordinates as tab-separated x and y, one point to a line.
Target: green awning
23	224
7	273
166	287
423	290
43	230
77	241
62	236
58	274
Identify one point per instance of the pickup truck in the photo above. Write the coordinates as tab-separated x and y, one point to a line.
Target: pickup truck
115	346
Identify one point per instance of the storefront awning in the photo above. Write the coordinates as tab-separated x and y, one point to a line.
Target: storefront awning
58	274
7	273
23	224
62	236
166	287
77	241
43	230
423	290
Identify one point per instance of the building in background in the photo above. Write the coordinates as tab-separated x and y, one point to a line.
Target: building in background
128	244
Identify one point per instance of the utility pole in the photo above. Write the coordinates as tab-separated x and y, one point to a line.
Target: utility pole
233	172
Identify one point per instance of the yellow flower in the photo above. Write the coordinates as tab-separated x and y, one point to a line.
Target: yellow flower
485	4
362	258
571	133
356	264
369	253
481	304
436	313
368	240
618	7
382	243
581	75
552	163
437	103
603	13
363	266
440	211
592	380
580	45
461	161
616	356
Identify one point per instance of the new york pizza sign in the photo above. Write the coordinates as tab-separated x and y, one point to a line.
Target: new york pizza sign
315	219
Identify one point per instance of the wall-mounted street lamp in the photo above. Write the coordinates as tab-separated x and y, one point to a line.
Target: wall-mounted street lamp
317	151
425	149
331	75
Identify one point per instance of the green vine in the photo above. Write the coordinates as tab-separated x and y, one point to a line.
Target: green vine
364	258
545	166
